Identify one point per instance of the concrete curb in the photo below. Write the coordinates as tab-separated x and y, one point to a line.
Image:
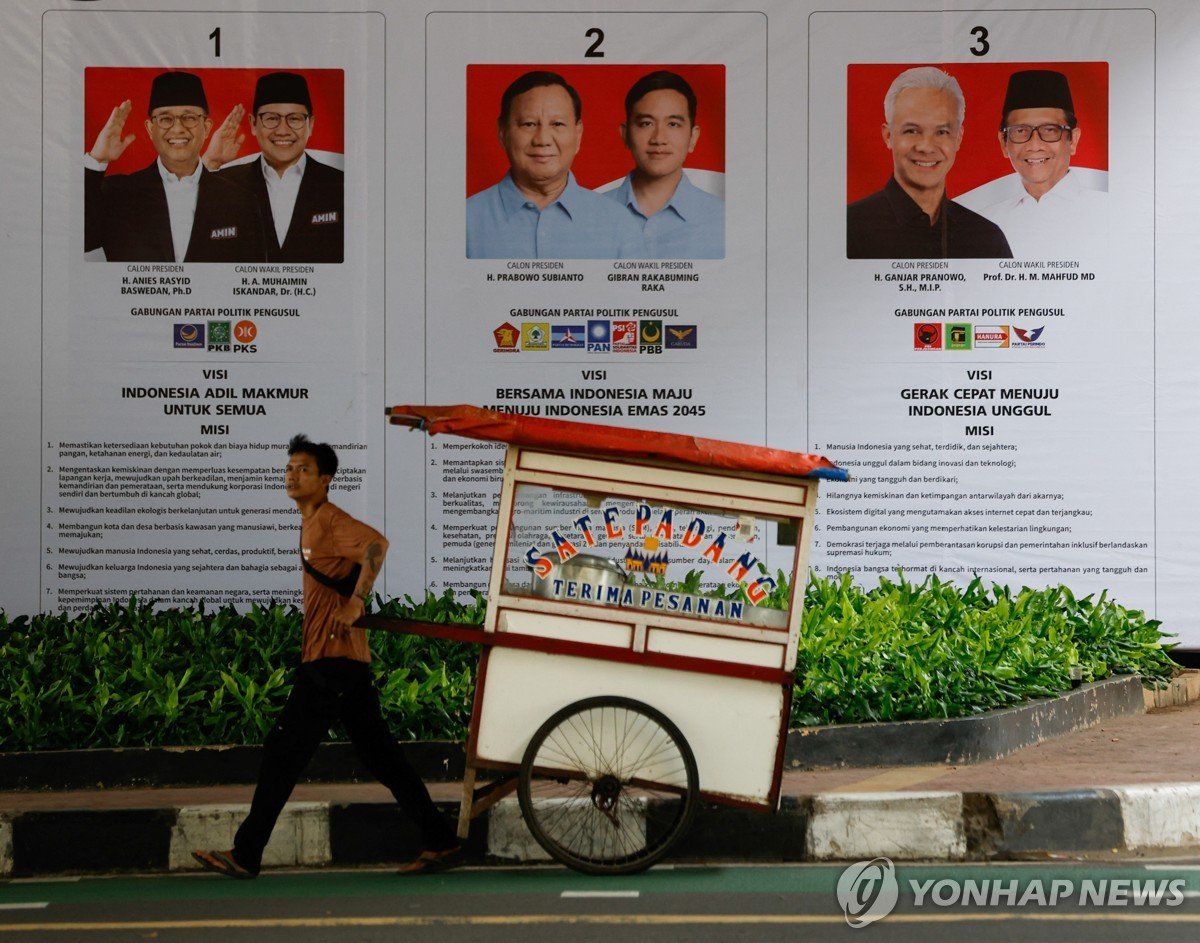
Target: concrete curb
964	740
939	826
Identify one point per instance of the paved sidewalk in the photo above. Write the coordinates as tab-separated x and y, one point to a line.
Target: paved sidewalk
1130	784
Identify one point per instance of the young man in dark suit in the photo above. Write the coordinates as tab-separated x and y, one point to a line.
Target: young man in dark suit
300	199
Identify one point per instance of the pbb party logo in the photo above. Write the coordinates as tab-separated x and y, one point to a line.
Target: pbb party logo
658	532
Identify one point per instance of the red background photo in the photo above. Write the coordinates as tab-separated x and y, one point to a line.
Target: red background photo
104	88
979	160
602	156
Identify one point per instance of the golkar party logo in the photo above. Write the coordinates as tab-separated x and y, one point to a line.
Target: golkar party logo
658	532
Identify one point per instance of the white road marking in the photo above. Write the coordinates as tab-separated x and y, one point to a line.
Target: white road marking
600	894
26	905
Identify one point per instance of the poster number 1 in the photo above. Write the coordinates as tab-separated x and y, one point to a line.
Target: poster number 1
982	45
215	36
594	51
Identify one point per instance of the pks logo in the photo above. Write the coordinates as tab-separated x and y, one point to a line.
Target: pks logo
189	335
624	337
506	336
927	336
599	337
244	332
1029	337
867	891
650	337
535	335
566	336
682	337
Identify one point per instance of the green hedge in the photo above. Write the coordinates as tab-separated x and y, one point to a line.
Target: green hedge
130	675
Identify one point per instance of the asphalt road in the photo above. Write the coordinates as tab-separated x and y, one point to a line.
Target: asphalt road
798	902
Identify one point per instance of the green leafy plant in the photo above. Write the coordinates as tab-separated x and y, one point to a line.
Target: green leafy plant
130	674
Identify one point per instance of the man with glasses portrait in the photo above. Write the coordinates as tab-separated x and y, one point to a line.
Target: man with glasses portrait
1045	209
301	199
173	210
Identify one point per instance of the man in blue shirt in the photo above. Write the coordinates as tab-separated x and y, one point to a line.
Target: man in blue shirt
678	219
538	211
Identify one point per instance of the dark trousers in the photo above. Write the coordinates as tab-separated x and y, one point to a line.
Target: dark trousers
325	691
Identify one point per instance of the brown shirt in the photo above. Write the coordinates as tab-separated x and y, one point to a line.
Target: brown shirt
332	542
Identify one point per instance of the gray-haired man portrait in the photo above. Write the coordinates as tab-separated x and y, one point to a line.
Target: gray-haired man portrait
911	217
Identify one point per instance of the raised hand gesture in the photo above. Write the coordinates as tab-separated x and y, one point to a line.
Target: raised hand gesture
111	143
225	142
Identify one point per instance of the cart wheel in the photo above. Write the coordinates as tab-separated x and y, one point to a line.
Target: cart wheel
607	785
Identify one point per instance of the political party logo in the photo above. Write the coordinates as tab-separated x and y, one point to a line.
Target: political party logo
244	332
506	336
599	337
535	335
991	335
1028	337
681	337
867	891
220	332
567	336
624	337
650	337
927	336
189	335
958	337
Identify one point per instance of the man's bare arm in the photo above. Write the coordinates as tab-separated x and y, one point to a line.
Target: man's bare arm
372	566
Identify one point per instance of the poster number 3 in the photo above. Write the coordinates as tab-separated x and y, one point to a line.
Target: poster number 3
982	45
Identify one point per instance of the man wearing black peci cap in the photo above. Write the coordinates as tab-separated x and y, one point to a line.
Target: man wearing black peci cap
172	210
301	200
1044	208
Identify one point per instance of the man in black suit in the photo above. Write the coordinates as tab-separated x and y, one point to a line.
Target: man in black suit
173	210
300	199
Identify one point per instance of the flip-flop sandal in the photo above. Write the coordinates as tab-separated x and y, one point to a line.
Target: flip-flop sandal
222	862
431	862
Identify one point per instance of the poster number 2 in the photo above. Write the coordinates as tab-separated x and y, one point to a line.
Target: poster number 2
982	45
594	51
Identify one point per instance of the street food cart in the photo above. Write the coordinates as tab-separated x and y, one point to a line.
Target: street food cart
637	654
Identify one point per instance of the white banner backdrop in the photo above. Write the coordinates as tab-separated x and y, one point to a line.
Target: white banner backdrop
1028	418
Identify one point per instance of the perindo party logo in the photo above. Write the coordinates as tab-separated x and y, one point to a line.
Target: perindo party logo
867	891
1028	336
